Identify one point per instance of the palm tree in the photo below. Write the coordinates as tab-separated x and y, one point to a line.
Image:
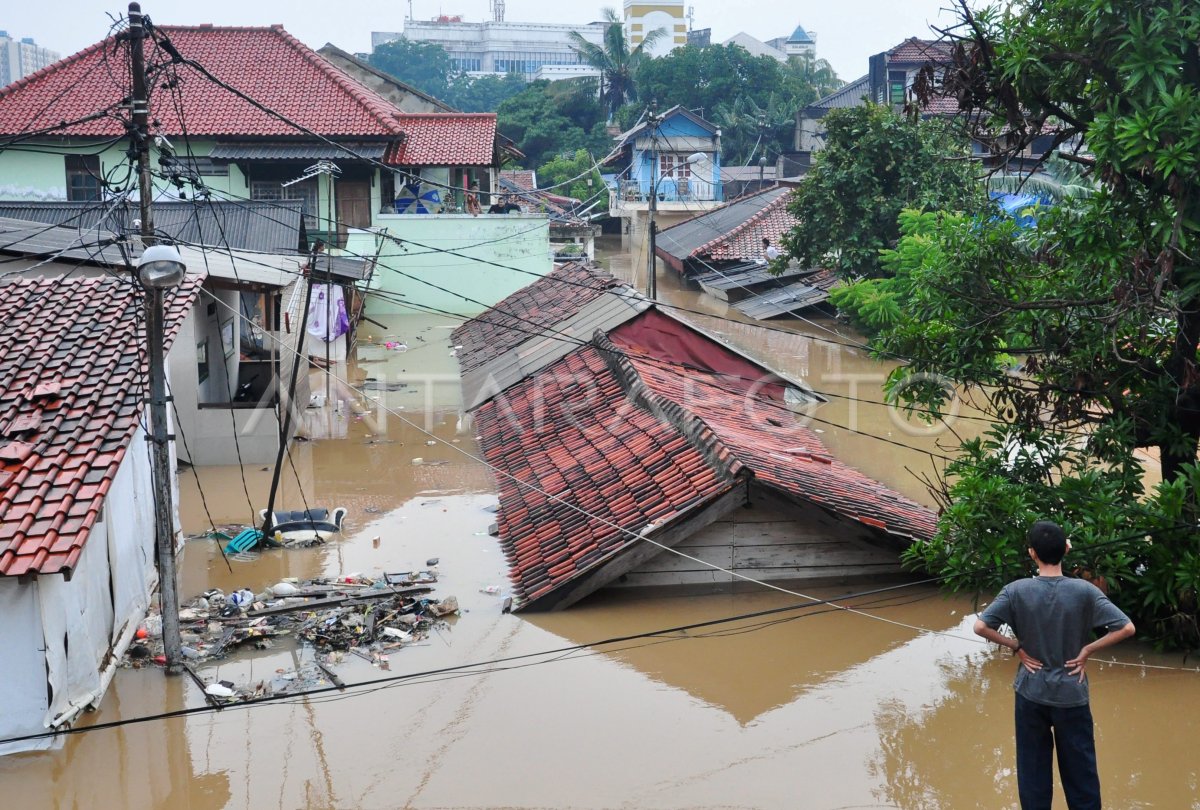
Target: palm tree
616	61
1058	181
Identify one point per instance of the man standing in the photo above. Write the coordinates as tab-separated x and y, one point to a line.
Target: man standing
1052	617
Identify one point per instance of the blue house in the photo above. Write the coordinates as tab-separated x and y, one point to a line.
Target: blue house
678	160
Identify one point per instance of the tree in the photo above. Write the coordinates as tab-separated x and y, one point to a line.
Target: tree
423	65
876	163
1099	303
617	62
483	93
579	169
753	98
552	118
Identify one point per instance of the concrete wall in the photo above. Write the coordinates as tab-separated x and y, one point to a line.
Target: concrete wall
459	263
775	540
211	430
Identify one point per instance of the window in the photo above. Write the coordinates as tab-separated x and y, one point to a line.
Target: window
897	85
83	178
674	166
306	191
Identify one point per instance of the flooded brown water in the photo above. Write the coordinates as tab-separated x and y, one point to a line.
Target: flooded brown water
813	708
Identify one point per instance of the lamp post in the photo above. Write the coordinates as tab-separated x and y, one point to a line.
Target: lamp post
159	269
762	167
655	178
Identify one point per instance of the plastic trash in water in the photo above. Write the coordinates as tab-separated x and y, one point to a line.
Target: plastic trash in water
392	632
492	589
220	689
243	598
283	589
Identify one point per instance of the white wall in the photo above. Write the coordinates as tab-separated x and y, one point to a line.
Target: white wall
68	635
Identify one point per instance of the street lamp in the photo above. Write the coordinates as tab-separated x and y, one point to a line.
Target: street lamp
762	166
161	268
655	178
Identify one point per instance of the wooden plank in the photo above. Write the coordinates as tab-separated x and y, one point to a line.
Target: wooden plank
348	599
637	554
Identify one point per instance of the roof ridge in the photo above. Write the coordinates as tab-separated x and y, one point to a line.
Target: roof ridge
384	110
694	429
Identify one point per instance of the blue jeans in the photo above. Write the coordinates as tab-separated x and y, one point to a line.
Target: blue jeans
1042	730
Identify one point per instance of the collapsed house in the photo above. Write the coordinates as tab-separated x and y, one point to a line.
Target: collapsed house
619	432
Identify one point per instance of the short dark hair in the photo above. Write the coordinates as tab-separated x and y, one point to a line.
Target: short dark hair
766	240
1048	541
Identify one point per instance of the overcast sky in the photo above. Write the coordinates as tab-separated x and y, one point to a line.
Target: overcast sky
847	31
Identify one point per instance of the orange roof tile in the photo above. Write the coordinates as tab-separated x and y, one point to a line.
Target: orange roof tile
60	450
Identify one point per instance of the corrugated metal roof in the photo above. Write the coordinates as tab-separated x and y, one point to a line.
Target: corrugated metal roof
746	275
59	248
38	240
275	226
850	95
682	240
311	150
605	312
795	296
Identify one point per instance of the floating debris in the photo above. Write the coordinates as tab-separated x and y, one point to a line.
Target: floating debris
366	616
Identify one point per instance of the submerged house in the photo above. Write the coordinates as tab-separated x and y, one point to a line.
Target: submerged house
76	500
722	251
622	434
677	160
269	120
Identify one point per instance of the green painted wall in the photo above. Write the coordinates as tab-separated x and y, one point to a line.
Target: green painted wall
476	261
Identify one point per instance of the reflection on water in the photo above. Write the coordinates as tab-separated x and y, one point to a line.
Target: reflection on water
810	708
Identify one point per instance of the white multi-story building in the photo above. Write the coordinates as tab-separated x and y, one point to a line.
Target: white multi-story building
19	58
535	50
480	48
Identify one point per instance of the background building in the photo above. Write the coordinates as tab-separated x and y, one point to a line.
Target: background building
496	46
642	16
19	58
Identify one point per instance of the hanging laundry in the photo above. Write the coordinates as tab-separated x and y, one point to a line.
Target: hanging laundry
328	319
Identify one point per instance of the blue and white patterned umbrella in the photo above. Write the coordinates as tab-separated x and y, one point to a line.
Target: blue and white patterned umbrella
418	198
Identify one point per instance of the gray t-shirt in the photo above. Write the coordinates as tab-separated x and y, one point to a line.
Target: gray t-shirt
1052	617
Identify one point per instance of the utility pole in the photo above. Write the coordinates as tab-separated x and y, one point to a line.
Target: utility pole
164	528
653	118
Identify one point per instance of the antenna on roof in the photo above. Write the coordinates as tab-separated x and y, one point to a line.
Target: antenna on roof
497	10
691	17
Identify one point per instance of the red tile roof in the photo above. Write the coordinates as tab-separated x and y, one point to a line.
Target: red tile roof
528	311
781	451
267	64
744	242
573	433
70	399
524	179
920	51
445	139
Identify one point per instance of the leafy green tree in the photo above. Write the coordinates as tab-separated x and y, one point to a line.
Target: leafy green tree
483	93
423	65
548	119
617	62
876	163
578	168
1100	301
